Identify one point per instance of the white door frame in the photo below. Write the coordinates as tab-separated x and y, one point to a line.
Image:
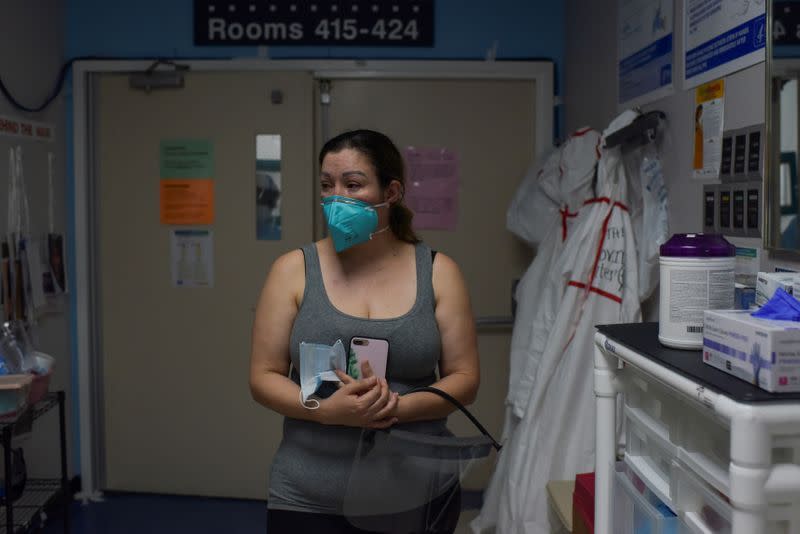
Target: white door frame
85	313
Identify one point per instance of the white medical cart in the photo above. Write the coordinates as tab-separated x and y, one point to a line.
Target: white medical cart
722	454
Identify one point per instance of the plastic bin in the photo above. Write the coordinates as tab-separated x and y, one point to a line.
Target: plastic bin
656	403
703	510
41	383
649	455
700	507
14	390
583	504
639	511
705	449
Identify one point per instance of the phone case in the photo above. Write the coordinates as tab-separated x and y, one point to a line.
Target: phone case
375	351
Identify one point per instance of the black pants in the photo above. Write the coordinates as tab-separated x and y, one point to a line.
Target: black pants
439	516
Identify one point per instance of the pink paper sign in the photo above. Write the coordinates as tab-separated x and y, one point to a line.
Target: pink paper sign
432	188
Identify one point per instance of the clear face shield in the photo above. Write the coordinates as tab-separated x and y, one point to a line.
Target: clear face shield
410	481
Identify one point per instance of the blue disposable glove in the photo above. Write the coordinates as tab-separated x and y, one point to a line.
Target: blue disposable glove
782	306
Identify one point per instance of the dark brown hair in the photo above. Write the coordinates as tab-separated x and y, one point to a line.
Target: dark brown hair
388	163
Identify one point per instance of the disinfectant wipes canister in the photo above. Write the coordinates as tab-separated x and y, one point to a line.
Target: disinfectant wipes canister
697	274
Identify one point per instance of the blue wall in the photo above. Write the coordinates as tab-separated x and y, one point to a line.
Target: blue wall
464	29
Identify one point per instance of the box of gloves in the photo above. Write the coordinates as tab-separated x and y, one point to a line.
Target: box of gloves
768	283
764	352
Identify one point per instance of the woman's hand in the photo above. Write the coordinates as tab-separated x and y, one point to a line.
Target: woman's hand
366	403
387	416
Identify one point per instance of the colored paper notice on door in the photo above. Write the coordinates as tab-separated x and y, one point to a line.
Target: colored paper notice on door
187	188
268	187
432	190
192	258
187	201
709	110
186	158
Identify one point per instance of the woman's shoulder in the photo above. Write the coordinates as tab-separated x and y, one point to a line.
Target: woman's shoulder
446	274
296	256
287	274
442	262
289	265
290	258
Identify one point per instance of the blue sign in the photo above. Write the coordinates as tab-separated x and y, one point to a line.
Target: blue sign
727	47
646	70
722	37
645	47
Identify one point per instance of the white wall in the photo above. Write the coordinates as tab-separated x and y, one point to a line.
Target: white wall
590	98
590	91
32	46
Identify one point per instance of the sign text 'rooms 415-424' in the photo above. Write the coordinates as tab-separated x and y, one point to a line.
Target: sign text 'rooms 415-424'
313	22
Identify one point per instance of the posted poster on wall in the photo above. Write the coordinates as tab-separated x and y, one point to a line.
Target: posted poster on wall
54	276
432	190
645	50
268	187
25	129
722	37
192	254
709	112
187	187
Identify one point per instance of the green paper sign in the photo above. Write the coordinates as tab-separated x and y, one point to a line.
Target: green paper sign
187	158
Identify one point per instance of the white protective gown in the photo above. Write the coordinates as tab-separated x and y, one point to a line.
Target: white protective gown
564	182
593	281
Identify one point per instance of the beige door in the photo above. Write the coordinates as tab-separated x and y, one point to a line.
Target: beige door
490	126
178	417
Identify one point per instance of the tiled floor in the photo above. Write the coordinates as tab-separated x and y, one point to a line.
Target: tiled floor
162	514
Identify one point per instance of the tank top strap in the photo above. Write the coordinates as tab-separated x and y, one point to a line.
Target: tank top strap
425	277
313	271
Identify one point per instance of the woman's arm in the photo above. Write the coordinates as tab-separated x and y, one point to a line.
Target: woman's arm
269	355
459	368
354	404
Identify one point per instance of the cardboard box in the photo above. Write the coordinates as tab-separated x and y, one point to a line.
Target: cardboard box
768	283
759	351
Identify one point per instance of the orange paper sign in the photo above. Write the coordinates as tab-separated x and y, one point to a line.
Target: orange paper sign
187	201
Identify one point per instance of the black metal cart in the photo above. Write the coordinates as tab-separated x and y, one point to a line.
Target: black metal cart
25	514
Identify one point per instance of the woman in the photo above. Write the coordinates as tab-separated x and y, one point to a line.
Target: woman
372	279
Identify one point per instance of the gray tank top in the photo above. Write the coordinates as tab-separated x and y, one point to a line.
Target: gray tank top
312	465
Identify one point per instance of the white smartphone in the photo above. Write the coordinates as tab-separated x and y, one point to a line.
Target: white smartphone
374	351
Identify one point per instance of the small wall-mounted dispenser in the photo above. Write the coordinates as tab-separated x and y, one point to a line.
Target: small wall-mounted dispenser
753	208
738	209
710	201
725	209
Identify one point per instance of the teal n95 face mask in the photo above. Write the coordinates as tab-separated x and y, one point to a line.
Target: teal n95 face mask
317	365
350	221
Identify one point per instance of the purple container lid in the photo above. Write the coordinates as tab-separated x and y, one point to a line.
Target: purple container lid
697	246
